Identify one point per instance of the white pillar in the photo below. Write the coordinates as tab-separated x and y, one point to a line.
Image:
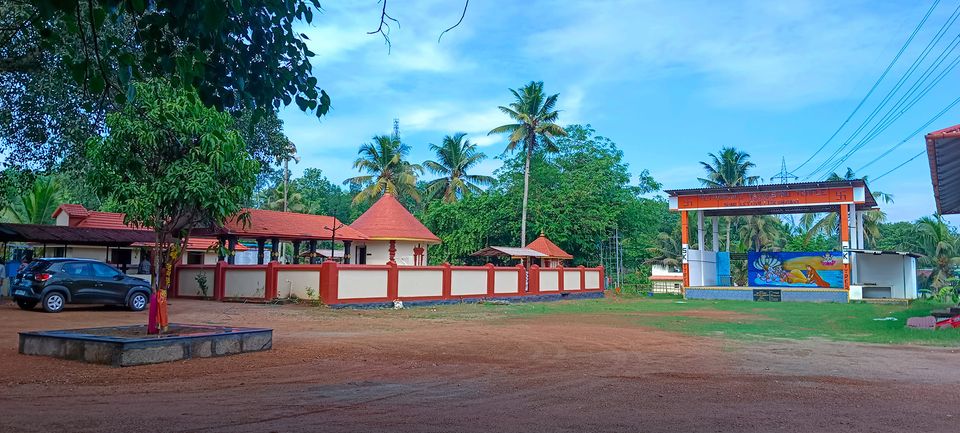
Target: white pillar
700	245
859	237
716	234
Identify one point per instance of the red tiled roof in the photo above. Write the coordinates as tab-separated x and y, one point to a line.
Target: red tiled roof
74	210
290	225
546	246
387	219
105	220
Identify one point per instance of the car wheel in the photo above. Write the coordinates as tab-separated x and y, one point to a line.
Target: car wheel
138	301
26	305
54	302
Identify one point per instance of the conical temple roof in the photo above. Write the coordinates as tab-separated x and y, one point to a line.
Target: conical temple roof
387	219
544	245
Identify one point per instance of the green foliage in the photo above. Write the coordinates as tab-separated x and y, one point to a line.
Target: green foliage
171	164
36	205
388	171
454	157
65	64
535	128
731	167
231	53
202	283
577	197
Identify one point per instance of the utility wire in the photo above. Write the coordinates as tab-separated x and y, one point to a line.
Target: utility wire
875	84
912	134
893	91
905	103
901	165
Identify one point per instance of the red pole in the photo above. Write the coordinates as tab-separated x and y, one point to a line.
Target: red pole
845	245
684	247
491	279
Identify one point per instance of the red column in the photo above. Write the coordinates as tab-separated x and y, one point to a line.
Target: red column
845	244
534	280
491	279
560	277
219	280
603	282
583	277
393	280
521	280
329	279
393	252
685	246
447	281
270	282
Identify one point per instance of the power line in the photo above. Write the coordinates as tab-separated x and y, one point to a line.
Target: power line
901	165
893	91
875	84
912	134
892	115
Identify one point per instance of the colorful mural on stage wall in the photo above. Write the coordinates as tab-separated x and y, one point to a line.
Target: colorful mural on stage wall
795	269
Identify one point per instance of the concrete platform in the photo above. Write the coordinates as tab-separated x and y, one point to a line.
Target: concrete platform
124	346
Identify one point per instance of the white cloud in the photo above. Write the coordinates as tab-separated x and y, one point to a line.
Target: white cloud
783	53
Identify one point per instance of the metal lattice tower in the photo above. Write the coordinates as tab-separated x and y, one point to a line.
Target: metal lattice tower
784	176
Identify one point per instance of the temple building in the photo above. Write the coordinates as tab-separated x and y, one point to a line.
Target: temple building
553	256
393	235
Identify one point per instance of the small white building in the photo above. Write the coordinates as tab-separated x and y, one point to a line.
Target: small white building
665	279
884	275
393	233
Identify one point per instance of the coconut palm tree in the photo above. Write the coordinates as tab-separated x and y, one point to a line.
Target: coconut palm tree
828	224
535	128
36	205
761	232
388	171
665	251
939	247
455	156
730	168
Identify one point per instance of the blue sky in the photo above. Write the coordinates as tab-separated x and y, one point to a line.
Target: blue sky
668	81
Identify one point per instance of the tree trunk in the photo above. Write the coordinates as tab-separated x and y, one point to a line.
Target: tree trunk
526	191
729	223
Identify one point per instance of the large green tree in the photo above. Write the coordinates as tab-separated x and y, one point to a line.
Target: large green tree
171	164
384	159
65	64
731	167
455	157
535	128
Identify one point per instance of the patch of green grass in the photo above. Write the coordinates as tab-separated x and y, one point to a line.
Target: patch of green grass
753	320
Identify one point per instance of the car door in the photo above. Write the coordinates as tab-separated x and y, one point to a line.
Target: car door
77	277
111	288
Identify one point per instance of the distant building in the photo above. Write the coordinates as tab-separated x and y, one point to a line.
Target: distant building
666	279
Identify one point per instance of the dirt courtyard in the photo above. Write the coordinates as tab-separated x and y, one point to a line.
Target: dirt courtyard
472	368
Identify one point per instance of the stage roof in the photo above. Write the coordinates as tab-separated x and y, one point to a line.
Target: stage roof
772	199
943	151
507	251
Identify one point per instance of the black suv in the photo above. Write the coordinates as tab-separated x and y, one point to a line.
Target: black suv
57	282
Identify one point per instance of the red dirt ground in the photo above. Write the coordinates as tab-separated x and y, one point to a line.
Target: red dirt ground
463	369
